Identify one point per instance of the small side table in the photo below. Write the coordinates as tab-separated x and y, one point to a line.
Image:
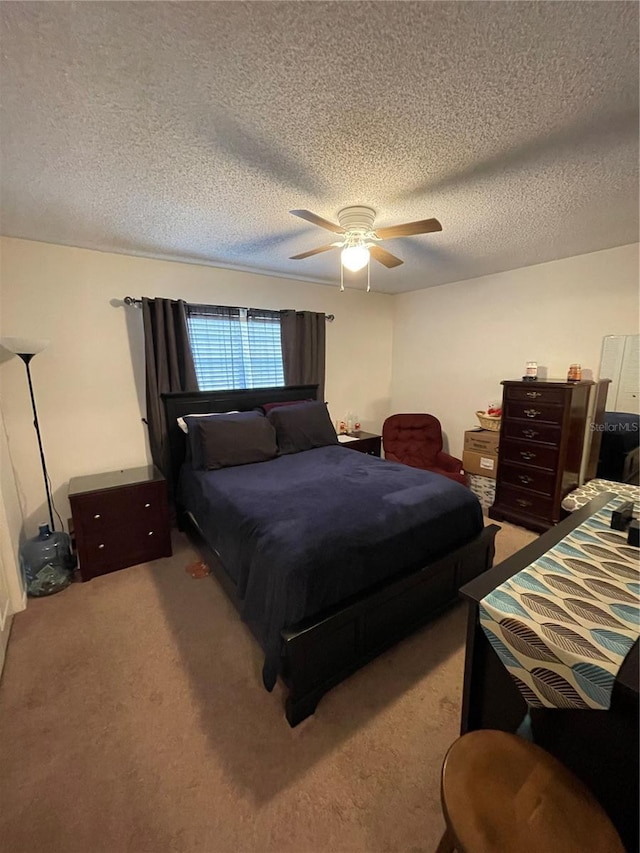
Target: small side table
364	442
120	519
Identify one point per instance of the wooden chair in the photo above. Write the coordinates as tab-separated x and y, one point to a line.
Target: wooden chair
502	794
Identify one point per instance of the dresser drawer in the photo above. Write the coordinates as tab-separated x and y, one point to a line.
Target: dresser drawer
528	478
523	501
526	453
526	431
546	412
534	394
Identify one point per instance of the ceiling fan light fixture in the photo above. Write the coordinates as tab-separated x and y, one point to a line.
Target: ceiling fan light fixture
355	258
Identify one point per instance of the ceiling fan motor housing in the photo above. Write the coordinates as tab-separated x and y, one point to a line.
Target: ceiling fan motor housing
357	219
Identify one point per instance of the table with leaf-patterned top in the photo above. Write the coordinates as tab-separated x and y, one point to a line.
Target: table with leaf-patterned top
552	640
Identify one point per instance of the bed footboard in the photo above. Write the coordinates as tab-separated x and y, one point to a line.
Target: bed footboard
318	655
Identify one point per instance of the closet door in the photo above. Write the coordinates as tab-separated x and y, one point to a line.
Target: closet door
621	364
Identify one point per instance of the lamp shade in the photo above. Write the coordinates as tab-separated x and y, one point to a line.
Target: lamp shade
24	346
354	258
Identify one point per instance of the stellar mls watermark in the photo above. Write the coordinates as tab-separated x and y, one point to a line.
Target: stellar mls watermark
613	427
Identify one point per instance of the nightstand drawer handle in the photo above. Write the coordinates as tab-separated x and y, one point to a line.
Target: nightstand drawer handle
530	433
532	413
523	503
527	454
97	515
534	394
525	479
100	547
146	506
150	533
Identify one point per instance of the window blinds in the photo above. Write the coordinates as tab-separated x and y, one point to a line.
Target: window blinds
235	347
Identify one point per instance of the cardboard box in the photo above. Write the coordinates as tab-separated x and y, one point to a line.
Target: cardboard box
484	464
484	488
483	441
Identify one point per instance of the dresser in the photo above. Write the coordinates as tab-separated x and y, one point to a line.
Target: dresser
540	451
364	442
120	519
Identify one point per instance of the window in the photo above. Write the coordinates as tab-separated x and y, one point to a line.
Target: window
235	347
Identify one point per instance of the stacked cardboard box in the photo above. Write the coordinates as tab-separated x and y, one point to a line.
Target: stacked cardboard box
480	461
484	488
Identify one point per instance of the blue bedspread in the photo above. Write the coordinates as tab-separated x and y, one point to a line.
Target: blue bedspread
303	532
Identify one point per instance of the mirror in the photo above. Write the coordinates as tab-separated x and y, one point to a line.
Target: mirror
619	457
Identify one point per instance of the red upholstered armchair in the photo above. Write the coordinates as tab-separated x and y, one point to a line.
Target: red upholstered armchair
416	440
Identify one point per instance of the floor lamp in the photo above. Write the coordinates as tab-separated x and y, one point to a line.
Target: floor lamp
26	349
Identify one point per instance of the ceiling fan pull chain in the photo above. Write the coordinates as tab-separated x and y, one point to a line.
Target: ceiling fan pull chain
368	275
341	277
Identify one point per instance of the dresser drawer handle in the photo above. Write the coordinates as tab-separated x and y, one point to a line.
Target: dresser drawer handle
527	455
532	413
100	547
525	479
534	394
523	503
530	433
146	506
150	533
97	515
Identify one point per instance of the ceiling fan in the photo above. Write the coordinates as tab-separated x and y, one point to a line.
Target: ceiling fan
358	237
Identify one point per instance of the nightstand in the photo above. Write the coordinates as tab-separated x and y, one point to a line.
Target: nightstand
364	442
120	519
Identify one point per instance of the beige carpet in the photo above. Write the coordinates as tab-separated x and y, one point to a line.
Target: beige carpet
132	718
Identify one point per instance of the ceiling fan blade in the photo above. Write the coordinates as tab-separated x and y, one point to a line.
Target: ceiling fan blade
314	252
383	257
423	226
318	220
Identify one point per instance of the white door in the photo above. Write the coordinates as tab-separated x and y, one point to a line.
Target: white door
621	364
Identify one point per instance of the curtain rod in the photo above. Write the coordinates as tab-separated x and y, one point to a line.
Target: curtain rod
129	300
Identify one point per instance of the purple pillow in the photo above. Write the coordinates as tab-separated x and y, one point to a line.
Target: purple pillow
267	407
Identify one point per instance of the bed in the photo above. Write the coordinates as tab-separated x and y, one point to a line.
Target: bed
330	555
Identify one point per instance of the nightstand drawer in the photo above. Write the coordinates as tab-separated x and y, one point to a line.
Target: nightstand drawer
546	412
100	511
113	507
523	453
365	443
127	545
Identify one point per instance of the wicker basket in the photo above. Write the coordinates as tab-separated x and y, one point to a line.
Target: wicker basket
489	421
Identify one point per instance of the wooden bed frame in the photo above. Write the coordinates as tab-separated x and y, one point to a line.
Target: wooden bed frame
321	652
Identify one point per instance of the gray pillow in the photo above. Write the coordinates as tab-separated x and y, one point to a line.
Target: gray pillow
302	427
228	440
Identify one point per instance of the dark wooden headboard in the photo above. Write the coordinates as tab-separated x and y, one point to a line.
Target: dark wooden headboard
177	405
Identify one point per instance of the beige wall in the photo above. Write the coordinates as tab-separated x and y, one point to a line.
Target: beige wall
454	344
451	346
90	381
12	596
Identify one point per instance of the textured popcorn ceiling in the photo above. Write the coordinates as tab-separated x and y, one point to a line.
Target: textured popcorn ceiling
188	130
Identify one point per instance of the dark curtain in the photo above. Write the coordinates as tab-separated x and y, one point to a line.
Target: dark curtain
169	367
303	348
